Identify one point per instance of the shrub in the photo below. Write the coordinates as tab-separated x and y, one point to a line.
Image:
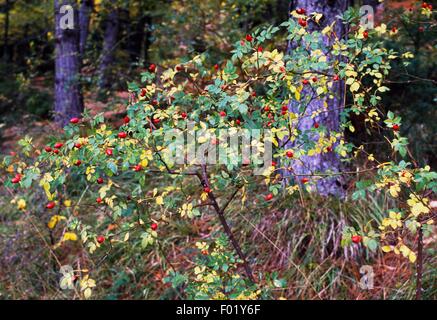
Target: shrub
138	188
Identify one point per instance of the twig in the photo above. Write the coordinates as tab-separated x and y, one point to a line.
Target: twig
419	264
204	180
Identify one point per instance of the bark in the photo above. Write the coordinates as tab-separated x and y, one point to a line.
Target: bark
85	11
203	177
147	38
7	9
331	120
20	47
68	95
374	3
109	44
136	38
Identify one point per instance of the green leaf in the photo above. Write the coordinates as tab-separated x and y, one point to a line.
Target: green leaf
112	166
372	244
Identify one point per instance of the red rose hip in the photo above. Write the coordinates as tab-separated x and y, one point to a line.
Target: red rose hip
268	197
356	239
50	205
304	180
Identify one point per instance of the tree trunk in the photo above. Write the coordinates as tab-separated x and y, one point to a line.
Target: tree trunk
6	32
109	43
136	39
330	161
374	3
68	95
147	39
85	11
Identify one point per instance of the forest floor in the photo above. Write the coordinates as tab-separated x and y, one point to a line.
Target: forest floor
40	129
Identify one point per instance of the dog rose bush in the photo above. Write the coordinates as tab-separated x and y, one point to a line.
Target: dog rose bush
108	188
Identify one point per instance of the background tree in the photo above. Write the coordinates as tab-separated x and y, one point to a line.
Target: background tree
85	11
326	161
109	44
142	17
6	9
68	95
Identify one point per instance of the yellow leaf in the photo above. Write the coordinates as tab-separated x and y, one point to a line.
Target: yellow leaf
54	221
351	73
204	196
90	170
326	30
412	257
355	86
87	293
202	139
320	91
274	141
394	190
159	200
317	17
386	248
404	250
110	201
297	95
67	203
21	204
103	190
144	163
69	236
